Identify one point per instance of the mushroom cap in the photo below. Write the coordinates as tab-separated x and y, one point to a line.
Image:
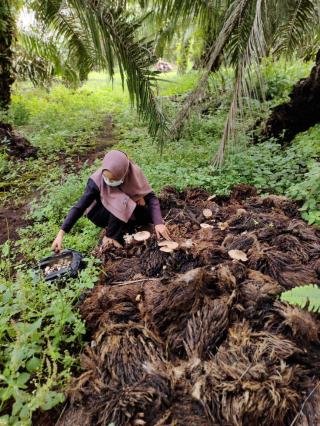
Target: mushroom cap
238	255
187	243
207	213
166	249
168	244
206	226
223	225
142	236
241	211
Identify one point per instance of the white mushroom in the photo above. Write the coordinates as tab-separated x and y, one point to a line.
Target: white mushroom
207	213
238	255
223	225
212	197
241	211
206	226
166	249
187	243
172	245
128	238
142	236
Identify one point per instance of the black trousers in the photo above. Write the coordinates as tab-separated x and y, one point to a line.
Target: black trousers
115	227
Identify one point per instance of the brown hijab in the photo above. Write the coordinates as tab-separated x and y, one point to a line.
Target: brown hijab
121	200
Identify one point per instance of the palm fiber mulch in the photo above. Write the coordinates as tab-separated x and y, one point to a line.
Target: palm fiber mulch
195	337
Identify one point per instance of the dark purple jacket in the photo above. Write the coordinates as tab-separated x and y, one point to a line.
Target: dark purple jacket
102	216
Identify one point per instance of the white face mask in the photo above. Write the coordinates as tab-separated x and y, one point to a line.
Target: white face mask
112	182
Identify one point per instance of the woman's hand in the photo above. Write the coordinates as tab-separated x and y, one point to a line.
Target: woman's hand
57	243
109	242
162	231
141	202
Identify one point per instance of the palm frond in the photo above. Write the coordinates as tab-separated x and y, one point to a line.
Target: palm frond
41	60
299	20
254	51
232	18
102	33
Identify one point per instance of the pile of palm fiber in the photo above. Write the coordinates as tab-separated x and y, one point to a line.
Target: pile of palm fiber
195	337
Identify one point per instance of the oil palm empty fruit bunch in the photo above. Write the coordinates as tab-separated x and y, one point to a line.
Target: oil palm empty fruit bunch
303	231
242	191
207	328
257	287
185	411
169	198
303	326
121	269
290	244
249	382
137	403
281	267
110	304
181	296
125	349
239	242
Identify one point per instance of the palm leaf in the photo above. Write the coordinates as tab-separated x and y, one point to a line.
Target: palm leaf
101	33
231	21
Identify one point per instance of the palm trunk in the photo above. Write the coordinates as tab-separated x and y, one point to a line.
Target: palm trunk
6	39
301	112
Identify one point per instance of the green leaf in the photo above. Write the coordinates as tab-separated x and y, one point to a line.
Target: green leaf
22	379
33	364
306	296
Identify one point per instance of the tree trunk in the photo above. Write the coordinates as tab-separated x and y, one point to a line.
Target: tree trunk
301	112
15	145
6	39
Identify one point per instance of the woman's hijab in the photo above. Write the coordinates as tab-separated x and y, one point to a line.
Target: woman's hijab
121	200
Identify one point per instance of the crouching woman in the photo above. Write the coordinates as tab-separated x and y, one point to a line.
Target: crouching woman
118	197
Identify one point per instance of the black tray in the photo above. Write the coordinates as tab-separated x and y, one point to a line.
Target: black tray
67	272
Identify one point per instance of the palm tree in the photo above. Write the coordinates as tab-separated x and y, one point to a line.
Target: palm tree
96	34
250	30
6	54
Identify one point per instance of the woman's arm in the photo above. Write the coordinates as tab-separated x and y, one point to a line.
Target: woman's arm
153	204
90	194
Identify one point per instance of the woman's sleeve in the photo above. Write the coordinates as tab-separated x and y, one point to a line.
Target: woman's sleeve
153	204
115	228
90	194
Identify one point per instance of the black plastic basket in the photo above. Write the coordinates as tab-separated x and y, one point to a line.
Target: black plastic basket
71	271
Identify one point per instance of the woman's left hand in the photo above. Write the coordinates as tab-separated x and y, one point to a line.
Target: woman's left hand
162	231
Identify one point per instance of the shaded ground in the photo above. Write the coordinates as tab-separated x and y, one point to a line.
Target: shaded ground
12	218
199	336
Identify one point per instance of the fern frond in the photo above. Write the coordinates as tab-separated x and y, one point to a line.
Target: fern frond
307	296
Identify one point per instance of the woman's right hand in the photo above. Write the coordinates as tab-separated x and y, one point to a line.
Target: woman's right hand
57	243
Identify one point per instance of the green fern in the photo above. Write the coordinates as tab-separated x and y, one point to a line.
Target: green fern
307	296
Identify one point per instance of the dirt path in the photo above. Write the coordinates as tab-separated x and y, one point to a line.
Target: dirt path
12	218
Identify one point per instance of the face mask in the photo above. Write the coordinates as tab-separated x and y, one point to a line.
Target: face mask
112	182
